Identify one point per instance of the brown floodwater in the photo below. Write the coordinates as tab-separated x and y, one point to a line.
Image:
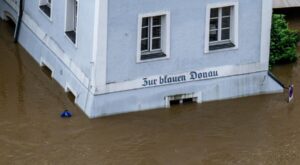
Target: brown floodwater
259	130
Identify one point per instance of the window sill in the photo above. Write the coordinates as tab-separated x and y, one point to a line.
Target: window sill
149	56
221	46
221	50
155	56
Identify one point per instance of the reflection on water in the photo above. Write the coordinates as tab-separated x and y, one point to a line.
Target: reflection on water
255	130
292	15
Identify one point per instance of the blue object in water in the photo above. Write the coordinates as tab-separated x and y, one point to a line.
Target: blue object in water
66	114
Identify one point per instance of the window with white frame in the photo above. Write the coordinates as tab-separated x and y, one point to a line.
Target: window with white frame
222	27
45	6
71	19
153	37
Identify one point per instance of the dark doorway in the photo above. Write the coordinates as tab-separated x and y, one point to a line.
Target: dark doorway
10	23
12	26
47	71
71	96
8	26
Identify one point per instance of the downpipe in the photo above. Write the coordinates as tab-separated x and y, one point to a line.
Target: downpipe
276	79
18	26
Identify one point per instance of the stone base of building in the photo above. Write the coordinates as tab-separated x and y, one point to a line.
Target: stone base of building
199	91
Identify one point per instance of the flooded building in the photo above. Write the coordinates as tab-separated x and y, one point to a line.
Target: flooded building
131	55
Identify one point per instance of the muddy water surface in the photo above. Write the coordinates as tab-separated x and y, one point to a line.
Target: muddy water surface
254	130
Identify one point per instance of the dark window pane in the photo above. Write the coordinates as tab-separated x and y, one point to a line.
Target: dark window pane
46	9
226	22
71	35
214	12
157	20
213	36
156	43
226	11
225	34
213	24
144	32
156	31
144	45
145	22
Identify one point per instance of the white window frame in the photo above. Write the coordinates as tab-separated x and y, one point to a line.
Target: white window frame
234	31
165	35
67	27
150	33
220	28
43	2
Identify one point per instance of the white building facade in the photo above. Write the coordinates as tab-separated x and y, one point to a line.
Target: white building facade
122	56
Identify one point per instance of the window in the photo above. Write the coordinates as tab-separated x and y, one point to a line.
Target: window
45	6
151	34
71	19
222	27
153	37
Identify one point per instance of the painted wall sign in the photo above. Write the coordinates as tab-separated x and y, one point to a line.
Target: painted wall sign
195	75
172	79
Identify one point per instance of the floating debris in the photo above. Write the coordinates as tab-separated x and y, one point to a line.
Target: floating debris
66	114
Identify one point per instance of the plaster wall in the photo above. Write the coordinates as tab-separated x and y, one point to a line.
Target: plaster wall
60	72
54	27
187	31
207	90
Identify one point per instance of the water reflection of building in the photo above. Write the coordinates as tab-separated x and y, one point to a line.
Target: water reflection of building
123	56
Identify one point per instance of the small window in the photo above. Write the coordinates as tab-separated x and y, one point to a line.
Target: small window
71	19
222	27
45	6
153	37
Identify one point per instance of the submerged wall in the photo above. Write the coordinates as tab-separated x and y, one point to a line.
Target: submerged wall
46	51
60	72
207	90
